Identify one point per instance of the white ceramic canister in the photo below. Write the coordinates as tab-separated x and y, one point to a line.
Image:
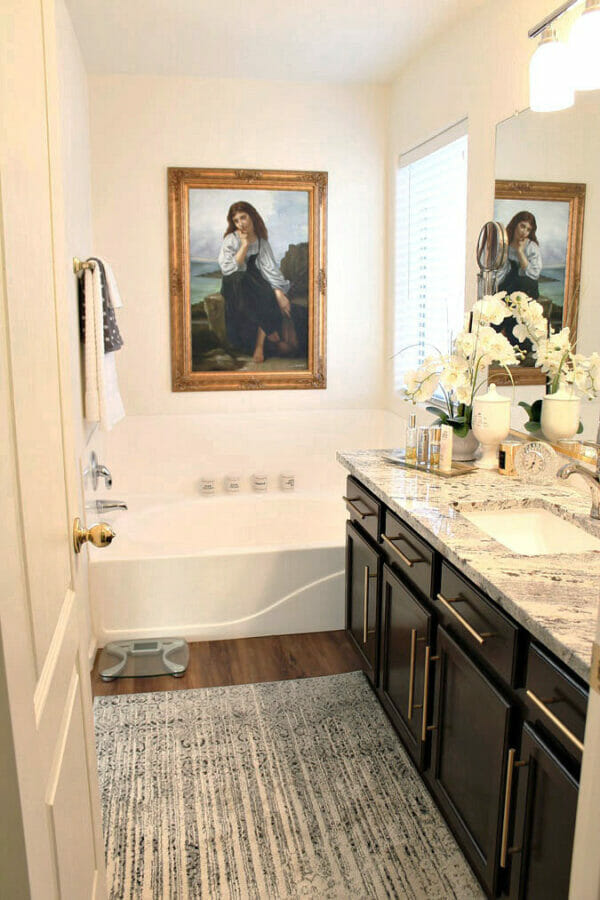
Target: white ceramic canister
490	424
287	481
260	481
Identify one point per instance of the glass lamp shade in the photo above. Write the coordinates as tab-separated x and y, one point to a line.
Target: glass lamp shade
550	85
584	48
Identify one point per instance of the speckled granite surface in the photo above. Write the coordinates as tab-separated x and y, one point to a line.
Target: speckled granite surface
554	596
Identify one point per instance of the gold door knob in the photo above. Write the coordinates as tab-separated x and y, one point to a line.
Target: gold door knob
100	534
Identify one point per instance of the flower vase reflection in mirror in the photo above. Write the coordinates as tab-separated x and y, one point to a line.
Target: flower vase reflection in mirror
454	379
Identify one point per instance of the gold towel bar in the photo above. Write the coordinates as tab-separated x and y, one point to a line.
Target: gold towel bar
79	265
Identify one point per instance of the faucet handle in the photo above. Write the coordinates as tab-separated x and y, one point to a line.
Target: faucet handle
98	471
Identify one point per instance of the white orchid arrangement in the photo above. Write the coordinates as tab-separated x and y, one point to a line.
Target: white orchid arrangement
461	373
553	351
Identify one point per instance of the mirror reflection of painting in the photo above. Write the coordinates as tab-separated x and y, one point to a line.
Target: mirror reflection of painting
249	281
537	258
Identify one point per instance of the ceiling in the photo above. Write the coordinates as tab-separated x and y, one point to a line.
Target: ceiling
288	40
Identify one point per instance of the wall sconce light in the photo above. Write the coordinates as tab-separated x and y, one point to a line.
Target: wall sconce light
584	48
550	77
556	70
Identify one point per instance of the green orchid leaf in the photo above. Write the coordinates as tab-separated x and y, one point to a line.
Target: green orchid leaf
442	416
526	407
461	430
580	429
532	427
536	411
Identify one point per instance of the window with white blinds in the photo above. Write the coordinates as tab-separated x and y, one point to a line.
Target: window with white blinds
431	224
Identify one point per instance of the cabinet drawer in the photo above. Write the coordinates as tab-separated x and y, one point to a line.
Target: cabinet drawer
408	553
363	507
555	700
478	623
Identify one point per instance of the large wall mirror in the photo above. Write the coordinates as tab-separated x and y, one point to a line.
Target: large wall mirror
562	147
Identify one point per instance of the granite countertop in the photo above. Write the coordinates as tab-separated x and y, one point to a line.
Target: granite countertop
555	597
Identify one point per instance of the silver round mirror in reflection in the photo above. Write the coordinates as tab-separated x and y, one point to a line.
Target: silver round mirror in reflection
492	252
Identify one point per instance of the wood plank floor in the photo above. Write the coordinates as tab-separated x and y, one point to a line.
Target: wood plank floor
247	661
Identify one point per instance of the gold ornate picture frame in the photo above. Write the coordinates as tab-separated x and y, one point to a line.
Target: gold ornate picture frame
558	209
247	313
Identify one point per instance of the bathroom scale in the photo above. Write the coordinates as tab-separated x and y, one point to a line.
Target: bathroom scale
143	658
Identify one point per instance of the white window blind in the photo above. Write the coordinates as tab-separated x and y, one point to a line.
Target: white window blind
431	223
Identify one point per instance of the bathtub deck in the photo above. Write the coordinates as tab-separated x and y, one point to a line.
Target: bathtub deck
247	661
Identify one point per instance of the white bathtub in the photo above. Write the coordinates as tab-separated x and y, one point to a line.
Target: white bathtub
220	567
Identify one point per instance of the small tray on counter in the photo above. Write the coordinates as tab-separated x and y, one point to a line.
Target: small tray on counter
399	459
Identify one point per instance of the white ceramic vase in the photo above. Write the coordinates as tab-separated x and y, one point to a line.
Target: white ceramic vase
491	424
560	414
464	448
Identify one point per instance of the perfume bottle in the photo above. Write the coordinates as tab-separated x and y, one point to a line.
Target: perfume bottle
435	434
410	446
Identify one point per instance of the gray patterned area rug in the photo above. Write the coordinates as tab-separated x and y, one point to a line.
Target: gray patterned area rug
280	790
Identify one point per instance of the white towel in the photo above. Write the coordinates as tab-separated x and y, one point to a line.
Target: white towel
103	402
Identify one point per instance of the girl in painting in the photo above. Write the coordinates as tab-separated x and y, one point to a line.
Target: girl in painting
524	264
258	314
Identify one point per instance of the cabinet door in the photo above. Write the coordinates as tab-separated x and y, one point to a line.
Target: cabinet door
406	626
546	803
470	737
362	598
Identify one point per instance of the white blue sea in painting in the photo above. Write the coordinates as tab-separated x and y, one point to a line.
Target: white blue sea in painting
205	279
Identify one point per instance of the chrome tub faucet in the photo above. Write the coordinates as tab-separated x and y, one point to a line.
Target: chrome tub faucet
102	506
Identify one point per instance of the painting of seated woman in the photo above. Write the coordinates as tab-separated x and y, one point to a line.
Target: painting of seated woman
544	223
256	298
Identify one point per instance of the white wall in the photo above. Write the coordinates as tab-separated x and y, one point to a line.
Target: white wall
141	125
479	70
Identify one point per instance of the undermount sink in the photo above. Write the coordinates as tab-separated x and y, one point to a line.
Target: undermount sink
532	531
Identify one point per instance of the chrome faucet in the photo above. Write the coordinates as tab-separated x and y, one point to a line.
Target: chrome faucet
592	478
102	506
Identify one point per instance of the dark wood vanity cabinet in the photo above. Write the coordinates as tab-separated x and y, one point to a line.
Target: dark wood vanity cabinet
492	720
545	795
470	732
363	571
405	652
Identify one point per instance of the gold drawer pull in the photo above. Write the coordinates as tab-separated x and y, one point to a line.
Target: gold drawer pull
480	638
555	721
511	766
411	675
407	562
351	504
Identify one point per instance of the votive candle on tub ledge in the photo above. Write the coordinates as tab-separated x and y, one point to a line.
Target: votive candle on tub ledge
232	484
207	486
260	481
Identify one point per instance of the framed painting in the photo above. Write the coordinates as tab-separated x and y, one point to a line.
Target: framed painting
247	254
544	221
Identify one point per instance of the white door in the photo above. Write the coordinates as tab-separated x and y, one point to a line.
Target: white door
44	672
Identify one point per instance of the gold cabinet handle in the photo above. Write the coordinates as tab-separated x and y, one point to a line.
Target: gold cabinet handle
100	535
555	721
366	603
407	562
480	638
411	671
428	660
352	505
510	768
